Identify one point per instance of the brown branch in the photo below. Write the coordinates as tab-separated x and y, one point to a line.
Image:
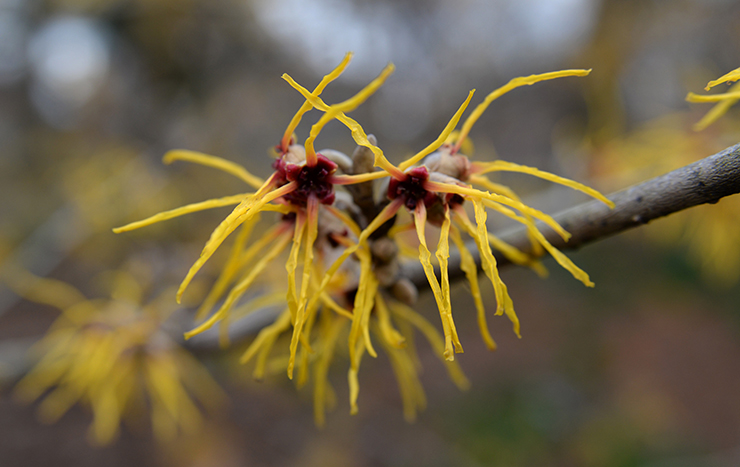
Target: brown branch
704	181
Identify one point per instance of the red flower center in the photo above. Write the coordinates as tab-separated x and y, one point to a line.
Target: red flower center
311	180
411	189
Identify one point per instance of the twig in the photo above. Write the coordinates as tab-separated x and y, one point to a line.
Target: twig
704	181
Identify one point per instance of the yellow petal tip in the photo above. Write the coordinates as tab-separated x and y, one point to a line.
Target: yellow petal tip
169	157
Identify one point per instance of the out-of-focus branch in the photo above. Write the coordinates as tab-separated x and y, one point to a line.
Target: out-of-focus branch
704	181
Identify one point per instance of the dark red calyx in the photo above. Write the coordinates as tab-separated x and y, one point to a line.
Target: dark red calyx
453	199
411	189
311	180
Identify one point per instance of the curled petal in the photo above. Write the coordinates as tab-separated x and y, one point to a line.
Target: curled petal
242	213
292	264
485	167
353	381
443	300
280	244
492	197
442	137
734	75
333	111
364	302
40	289
358	134
195	207
505	304
468	266
334	74
513	84
215	162
229	270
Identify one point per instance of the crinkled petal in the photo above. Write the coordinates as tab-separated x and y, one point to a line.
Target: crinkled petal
215	162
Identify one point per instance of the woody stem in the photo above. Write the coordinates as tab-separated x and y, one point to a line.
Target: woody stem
705	181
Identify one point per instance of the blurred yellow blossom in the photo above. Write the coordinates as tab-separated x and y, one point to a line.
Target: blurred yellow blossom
665	144
112	356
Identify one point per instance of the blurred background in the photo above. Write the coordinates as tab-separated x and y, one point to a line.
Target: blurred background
643	370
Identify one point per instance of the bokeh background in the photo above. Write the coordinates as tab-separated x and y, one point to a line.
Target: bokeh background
643	370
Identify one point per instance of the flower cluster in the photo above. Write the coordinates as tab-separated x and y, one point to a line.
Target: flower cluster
343	241
437	188
113	356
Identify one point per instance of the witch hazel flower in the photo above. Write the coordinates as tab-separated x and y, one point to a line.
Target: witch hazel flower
113	356
434	184
302	182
